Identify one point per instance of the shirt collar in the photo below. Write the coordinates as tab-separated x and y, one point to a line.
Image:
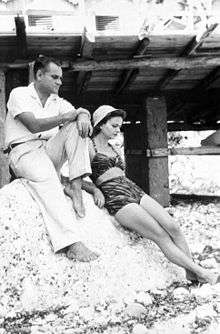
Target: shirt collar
34	94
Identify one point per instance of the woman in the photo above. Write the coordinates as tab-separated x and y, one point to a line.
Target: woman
131	207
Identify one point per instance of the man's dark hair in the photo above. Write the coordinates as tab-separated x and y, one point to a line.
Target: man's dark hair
116	113
42	62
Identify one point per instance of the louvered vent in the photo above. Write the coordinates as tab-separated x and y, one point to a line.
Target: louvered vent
43	22
107	23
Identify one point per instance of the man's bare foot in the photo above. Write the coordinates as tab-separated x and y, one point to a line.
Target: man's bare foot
78	251
75	193
190	276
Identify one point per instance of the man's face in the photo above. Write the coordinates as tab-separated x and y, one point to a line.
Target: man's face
50	80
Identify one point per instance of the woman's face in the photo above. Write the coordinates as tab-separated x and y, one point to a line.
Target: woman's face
112	127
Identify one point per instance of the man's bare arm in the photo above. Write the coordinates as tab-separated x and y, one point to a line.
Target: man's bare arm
35	125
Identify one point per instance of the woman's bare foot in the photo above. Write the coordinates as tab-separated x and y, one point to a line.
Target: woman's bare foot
75	193
78	251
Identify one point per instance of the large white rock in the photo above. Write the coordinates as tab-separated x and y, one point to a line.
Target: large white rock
33	277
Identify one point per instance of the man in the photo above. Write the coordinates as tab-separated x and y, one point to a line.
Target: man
38	148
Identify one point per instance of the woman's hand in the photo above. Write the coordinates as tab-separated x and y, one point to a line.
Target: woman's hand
99	198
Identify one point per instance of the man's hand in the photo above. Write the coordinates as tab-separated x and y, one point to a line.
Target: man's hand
84	125
99	198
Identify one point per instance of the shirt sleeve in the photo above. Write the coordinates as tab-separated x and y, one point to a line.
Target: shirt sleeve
18	102
65	107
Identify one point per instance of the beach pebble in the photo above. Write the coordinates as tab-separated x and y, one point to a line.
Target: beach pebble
209	263
139	329
3	331
135	310
180	293
144	298
72	308
50	317
159	292
204	311
87	313
204	291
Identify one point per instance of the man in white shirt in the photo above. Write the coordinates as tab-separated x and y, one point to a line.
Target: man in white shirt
38	148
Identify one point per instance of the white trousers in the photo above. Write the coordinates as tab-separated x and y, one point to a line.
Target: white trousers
39	162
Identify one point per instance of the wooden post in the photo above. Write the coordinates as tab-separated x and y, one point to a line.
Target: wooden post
4	172
143	166
135	154
156	131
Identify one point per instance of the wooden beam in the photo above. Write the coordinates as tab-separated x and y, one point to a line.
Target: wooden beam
179	126
198	40
166	79
176	63
204	150
4	171
82	82
86	51
189	50
164	152
175	198
21	37
202	86
208	80
128	76
87	44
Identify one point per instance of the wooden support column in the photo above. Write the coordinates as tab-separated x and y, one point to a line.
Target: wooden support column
4	172
135	154
149	170
155	118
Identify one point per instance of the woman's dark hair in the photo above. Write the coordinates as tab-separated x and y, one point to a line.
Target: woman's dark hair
116	113
42	62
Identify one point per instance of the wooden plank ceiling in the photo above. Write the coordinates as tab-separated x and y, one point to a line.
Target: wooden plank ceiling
191	84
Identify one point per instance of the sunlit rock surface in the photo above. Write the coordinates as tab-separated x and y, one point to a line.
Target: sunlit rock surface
33	278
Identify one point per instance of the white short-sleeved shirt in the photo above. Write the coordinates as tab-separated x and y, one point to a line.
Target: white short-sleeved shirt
26	99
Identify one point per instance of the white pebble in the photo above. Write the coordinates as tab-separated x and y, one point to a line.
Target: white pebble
135	310
144	298
139	329
180	293
209	263
204	291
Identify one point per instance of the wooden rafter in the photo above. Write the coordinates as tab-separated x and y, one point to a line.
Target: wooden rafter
121	64
202	86
209	79
198	40
189	50
86	51
82	81
128	76
21	37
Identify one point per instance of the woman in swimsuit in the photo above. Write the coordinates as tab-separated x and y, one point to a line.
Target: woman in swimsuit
131	207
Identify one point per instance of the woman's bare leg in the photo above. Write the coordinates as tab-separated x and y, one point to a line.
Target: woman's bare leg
134	217
169	224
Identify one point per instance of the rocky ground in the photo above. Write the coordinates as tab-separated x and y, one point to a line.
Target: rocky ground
131	288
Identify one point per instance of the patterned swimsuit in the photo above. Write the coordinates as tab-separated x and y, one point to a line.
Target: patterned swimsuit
118	191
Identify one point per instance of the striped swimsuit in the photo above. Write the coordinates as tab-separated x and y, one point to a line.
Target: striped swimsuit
118	191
